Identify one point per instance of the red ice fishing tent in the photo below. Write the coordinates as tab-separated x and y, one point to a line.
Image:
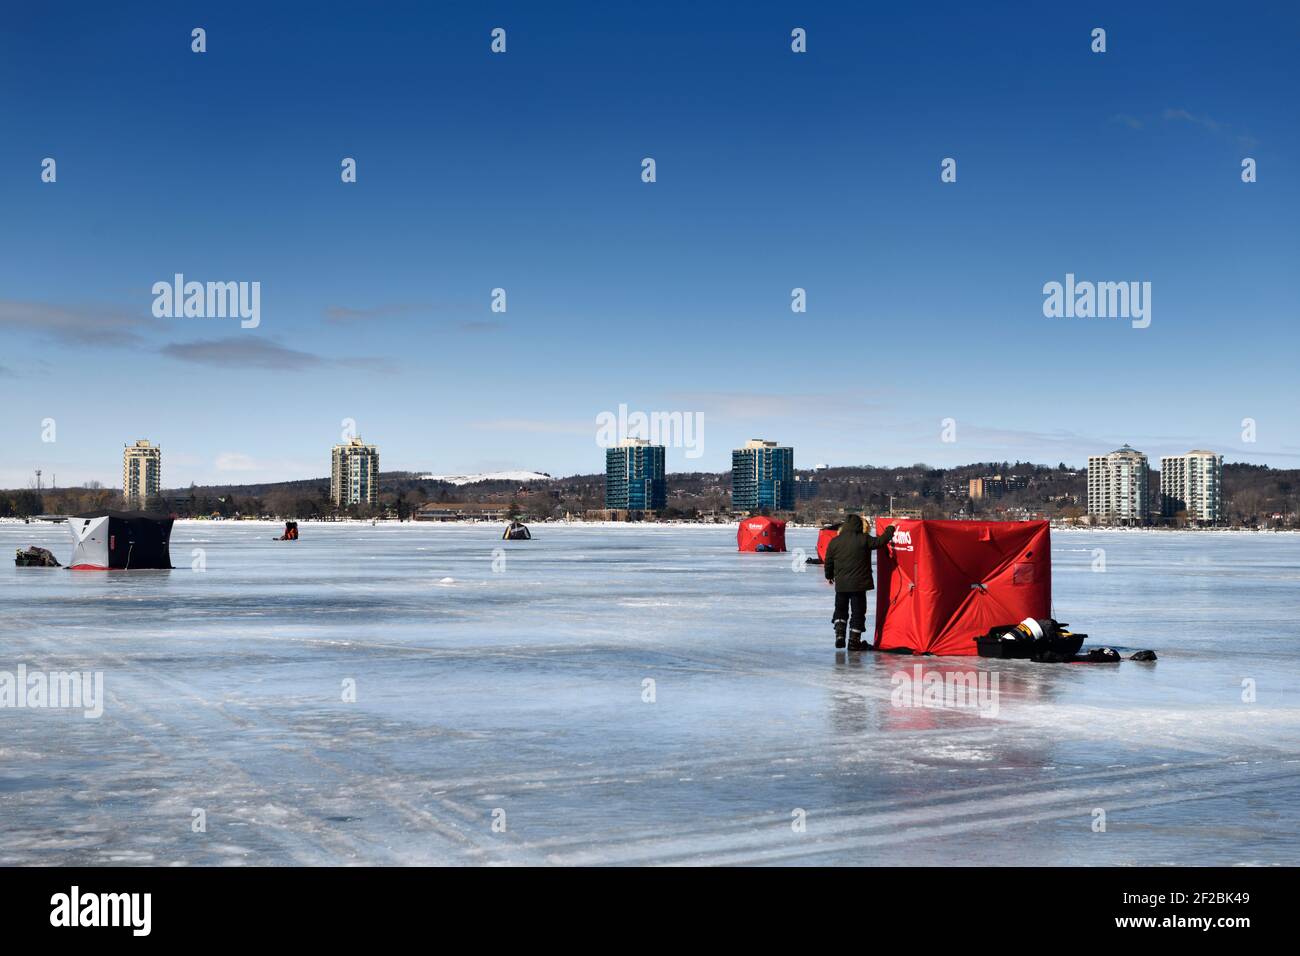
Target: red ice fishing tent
824	538
943	583
760	534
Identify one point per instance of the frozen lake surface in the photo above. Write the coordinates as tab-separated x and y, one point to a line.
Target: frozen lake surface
517	695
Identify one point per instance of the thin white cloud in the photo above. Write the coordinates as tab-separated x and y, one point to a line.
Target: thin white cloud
745	406
1179	115
536	426
1186	116
341	314
236	461
350	315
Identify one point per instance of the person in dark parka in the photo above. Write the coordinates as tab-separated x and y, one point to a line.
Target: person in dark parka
848	567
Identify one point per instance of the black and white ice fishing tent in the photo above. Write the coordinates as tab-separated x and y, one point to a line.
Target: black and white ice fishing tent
120	540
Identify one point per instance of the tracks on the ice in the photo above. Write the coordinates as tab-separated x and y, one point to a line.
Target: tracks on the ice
315	785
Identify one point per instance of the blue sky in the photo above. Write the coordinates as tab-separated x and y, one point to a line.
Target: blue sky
523	171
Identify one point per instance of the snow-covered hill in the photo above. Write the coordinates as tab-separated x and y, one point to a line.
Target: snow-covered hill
523	477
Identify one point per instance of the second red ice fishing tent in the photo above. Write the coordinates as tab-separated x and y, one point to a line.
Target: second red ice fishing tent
824	538
943	583
760	534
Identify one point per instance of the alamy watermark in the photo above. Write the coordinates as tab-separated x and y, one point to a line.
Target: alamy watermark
75	908
53	690
208	300
670	429
967	689
1098	300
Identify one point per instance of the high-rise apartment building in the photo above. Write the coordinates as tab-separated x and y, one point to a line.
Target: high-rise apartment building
1192	484
990	487
762	477
141	474
634	476
1117	487
354	474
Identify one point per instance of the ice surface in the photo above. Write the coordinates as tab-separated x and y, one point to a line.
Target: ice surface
521	690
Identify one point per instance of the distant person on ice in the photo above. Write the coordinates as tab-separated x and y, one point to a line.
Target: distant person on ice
848	567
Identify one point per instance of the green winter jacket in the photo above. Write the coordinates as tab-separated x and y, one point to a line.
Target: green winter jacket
848	556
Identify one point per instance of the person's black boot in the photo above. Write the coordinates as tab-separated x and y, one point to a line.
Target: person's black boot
839	634
855	641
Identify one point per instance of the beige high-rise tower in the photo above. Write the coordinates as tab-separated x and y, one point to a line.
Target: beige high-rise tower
354	474
1117	487
1192	485
141	474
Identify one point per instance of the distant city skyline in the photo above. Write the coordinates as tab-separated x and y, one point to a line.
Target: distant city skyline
375	302
354	474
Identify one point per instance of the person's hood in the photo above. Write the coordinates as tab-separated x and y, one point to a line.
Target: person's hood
853	524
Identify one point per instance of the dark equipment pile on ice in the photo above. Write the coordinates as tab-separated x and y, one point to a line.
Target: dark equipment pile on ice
35	558
1049	642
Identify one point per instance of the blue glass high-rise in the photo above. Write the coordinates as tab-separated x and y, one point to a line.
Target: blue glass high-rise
762	477
634	476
